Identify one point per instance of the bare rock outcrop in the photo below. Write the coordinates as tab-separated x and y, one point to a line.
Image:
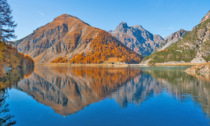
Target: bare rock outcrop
137	38
201	71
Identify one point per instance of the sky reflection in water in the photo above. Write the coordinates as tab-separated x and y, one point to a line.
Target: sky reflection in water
109	96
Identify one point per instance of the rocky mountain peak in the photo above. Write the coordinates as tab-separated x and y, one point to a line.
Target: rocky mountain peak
179	33
206	17
173	38
122	27
137	38
62	17
181	30
138	27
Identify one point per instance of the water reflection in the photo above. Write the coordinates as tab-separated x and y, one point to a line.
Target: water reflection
137	90
6	119
181	84
68	90
12	77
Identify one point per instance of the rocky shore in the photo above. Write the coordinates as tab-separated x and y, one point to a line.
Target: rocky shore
201	71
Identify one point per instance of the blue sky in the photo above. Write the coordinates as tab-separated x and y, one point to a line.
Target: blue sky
161	17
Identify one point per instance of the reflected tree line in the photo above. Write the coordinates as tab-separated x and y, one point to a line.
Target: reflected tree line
180	84
10	79
68	90
6	119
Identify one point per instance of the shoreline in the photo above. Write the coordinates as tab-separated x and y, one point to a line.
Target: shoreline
119	65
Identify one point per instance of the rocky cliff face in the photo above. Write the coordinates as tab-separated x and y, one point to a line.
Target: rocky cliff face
194	47
68	36
206	17
173	38
137	38
201	71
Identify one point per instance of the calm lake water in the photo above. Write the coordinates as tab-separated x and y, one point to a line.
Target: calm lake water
82	96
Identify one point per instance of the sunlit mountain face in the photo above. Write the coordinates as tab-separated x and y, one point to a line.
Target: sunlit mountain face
73	92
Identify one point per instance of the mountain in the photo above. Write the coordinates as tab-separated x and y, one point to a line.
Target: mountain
69	39
137	38
193	48
173	38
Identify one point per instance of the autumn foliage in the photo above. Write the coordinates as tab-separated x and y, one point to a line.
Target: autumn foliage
60	60
25	60
105	80
105	46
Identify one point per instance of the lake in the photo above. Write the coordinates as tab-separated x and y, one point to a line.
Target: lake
96	96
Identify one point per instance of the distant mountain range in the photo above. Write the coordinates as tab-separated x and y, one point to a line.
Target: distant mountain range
137	38
173	38
68	39
193	46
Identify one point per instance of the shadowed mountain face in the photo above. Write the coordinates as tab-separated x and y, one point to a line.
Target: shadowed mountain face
68	90
68	39
137	38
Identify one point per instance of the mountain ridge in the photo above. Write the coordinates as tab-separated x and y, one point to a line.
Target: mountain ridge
67	37
137	38
193	48
173	38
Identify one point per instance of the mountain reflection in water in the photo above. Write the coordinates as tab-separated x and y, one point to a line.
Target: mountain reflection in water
68	90
141	94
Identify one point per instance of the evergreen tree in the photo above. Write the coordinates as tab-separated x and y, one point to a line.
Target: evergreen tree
7	25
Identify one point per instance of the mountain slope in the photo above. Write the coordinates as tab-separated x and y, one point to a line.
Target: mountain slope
137	38
194	47
173	38
68	39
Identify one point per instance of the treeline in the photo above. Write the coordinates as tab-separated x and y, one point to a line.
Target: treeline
26	60
104	46
10	57
60	60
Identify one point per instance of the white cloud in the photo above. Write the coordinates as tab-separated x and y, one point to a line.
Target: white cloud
41	13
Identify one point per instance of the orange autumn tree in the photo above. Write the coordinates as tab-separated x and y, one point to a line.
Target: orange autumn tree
105	46
26	60
60	60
